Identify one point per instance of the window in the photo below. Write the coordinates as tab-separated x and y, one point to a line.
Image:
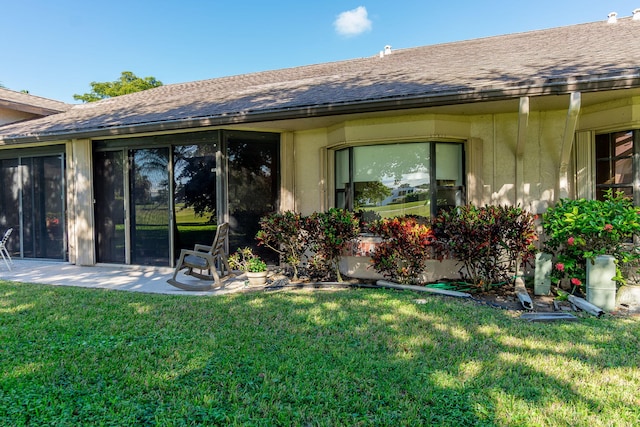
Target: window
400	179
616	168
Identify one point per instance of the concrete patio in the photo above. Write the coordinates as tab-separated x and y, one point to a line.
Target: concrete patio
114	277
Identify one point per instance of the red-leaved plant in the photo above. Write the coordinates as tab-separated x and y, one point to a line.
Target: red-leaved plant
405	248
490	242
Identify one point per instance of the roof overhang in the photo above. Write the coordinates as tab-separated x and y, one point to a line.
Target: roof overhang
451	100
26	108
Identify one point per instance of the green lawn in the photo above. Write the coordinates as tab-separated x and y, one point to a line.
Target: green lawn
420	208
73	356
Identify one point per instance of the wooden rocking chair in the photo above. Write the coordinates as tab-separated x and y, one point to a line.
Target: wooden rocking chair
210	261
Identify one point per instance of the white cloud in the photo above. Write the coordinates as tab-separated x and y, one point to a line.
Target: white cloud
353	22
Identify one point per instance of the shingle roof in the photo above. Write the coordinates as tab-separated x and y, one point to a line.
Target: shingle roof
586	57
25	102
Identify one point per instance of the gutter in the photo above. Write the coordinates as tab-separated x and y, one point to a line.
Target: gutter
454	97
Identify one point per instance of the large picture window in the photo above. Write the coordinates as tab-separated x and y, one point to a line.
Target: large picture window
400	179
616	167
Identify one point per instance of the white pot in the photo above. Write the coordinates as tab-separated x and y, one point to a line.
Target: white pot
257	278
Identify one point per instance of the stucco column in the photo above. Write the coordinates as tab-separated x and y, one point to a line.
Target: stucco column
287	172
523	125
80	222
567	142
475	181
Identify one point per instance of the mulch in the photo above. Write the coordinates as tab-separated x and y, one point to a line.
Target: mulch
503	297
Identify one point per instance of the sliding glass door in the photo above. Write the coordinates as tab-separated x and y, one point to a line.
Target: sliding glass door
195	193
144	193
109	194
157	195
149	195
32	202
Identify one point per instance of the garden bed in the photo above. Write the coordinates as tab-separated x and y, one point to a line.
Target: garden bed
500	297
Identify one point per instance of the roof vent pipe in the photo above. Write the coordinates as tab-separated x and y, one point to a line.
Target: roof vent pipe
613	18
636	14
387	50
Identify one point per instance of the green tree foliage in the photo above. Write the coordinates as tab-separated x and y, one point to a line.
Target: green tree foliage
127	83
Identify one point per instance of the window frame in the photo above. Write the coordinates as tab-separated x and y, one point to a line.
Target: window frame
634	184
342	194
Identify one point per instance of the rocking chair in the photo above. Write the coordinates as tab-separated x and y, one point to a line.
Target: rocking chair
210	261
3	249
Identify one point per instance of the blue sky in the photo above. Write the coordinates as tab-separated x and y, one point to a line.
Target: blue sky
55	49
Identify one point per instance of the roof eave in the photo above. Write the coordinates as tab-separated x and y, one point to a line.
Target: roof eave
26	108
462	96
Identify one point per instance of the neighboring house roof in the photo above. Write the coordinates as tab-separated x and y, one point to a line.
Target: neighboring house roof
24	102
586	57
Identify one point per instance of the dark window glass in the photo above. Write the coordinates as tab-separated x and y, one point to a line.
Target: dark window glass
253	186
10	203
195	210
108	178
615	168
33	205
149	190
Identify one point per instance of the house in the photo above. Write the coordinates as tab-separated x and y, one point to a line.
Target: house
19	106
524	118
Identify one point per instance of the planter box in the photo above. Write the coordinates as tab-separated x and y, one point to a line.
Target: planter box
361	267
356	262
364	246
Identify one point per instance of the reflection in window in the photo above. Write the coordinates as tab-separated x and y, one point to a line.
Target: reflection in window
399	179
253	187
195	203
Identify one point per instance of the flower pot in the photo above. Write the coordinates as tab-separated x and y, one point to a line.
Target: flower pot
258	278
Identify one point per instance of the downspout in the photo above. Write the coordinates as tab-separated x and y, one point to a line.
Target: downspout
523	123
567	142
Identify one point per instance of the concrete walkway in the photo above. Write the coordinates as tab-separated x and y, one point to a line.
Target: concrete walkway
115	277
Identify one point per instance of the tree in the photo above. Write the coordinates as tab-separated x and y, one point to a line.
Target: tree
373	192
128	83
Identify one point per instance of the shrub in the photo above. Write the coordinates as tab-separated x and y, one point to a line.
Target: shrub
285	234
405	249
244	259
579	230
490	242
330	233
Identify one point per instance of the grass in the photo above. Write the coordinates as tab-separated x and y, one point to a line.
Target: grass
73	356
420	207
